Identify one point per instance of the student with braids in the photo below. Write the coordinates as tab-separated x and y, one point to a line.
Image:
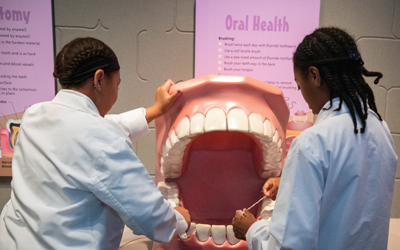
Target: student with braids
76	180
337	184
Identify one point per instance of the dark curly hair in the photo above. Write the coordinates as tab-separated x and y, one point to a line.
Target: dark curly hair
334	53
79	59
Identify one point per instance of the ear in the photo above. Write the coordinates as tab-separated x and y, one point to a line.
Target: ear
98	78
314	76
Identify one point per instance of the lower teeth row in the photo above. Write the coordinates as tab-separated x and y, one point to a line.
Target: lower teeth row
218	233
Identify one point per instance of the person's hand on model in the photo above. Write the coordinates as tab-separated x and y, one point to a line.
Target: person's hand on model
163	101
271	186
242	222
185	213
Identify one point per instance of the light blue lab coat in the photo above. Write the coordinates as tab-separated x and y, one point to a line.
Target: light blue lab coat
336	188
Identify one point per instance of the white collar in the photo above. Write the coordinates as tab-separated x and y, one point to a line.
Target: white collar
76	100
327	112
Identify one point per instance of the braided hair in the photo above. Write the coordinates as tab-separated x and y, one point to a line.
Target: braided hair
81	58
334	53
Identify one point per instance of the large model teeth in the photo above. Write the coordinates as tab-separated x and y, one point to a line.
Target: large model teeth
173	158
173	139
218	233
183	128
197	124
230	235
192	228
170	170
181	144
170	192
271	148
275	138
256	124
279	144
167	146
273	156
216	120
271	166
237	120
203	231
269	173
269	129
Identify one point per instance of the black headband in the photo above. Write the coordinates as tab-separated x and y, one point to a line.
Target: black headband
356	57
87	70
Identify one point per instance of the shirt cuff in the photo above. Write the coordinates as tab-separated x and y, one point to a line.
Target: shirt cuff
257	226
181	225
132	122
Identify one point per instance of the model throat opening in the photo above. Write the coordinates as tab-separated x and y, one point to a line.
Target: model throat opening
220	176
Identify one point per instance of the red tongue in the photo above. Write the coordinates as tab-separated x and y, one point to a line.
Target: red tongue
221	179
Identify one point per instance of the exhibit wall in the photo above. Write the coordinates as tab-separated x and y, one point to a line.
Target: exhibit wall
154	41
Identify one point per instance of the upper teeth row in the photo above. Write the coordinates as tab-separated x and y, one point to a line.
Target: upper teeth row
217	120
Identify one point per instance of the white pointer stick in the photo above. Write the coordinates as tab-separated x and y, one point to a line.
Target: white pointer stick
253	204
257	202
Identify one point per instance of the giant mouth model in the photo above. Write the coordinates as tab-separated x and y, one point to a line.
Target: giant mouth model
224	137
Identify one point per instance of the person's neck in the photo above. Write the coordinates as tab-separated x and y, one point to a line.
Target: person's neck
90	91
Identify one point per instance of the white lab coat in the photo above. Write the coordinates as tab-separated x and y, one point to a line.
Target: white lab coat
76	181
336	188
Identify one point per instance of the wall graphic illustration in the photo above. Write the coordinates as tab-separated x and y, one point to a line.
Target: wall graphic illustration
256	39
9	137
26	66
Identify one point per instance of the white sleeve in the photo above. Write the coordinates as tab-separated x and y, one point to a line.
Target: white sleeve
181	225
257	236
133	123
